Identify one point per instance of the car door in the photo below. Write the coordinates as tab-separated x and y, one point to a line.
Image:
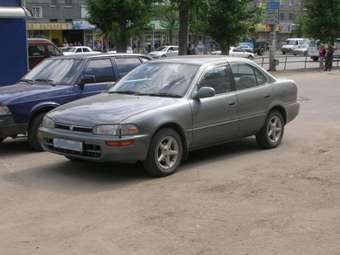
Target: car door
124	65
253	92
103	73
214	118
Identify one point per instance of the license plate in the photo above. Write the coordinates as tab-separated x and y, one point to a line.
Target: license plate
68	145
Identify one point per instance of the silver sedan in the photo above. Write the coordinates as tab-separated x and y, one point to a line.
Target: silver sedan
164	109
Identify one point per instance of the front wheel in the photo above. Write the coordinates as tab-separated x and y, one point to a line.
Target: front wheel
33	132
2	139
270	136
165	153
250	57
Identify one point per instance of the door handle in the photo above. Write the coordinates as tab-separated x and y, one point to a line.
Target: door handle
232	103
267	96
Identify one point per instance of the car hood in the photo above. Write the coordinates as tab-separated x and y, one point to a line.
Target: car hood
21	90
107	108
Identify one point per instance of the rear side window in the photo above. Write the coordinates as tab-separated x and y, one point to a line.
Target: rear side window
125	65
86	50
217	78
36	50
101	69
244	76
78	50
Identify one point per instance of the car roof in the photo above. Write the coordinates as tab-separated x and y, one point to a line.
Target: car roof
96	55
38	40
203	59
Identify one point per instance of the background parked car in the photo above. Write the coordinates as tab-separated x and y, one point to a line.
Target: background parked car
163	109
292	43
242	52
73	50
39	49
301	50
57	81
164	51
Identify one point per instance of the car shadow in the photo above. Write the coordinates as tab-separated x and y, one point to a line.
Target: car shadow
64	176
17	146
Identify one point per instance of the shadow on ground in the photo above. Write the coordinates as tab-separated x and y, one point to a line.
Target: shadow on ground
65	176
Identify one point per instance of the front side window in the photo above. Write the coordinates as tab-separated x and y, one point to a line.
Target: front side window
125	65
86	50
218	79
101	69
78	50
158	79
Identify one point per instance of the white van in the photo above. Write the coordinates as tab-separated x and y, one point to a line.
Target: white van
292	43
313	49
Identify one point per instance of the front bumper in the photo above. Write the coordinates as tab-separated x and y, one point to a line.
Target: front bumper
95	147
8	127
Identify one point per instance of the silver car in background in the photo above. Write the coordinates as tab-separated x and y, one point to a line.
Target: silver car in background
164	109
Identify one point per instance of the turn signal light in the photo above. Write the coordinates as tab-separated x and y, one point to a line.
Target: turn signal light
119	143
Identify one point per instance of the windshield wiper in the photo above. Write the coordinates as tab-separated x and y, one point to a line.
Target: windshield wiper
26	81
161	94
127	92
45	80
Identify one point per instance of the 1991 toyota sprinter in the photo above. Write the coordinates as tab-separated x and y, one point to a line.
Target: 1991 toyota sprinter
163	109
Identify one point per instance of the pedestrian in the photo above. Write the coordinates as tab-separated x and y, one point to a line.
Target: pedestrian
322	55
329	58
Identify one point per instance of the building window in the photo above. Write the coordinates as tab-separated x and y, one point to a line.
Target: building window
68	2
291	16
53	3
37	12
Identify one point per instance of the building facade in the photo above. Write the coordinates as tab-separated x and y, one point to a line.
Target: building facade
61	21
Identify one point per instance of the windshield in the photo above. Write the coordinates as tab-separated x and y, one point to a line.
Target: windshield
161	49
55	71
69	49
158	79
292	42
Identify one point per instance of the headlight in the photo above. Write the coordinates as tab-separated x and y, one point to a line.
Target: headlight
4	110
48	123
116	130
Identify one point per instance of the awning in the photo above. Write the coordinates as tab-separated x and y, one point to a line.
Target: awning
14	13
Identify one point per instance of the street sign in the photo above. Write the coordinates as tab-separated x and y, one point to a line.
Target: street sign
273	5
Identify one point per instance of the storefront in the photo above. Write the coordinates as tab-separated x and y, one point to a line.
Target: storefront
64	33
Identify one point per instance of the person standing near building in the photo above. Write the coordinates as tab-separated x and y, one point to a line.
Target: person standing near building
322	54
329	58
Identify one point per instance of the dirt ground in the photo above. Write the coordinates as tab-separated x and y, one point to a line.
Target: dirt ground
231	199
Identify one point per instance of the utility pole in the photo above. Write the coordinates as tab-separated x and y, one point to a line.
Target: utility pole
272	19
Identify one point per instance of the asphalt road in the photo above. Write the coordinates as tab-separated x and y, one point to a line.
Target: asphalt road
231	199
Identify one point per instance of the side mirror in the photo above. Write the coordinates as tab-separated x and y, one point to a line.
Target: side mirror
204	92
87	79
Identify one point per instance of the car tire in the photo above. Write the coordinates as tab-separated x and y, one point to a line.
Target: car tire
33	132
270	135
315	58
163	56
2	139
250	57
283	53
165	153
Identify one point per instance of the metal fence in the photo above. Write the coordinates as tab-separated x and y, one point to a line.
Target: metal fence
291	62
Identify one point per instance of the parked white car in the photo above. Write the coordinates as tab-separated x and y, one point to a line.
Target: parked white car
164	51
241	52
293	43
73	50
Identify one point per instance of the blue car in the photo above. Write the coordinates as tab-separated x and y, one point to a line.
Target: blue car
54	82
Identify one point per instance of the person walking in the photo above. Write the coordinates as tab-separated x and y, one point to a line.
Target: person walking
329	58
322	55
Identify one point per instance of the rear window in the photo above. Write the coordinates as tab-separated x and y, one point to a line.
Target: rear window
36	50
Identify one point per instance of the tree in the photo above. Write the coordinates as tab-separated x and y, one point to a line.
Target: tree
118	19
228	21
322	19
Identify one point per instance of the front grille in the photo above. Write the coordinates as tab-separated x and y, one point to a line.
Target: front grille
73	128
89	150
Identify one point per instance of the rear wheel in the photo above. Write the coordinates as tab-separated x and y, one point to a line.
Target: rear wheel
74	159
33	132
165	153
270	136
2	139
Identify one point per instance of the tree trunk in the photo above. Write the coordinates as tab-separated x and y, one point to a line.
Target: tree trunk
170	36
122	39
225	47
183	26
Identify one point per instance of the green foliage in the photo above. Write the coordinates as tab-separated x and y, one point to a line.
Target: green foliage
228	21
118	19
322	19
